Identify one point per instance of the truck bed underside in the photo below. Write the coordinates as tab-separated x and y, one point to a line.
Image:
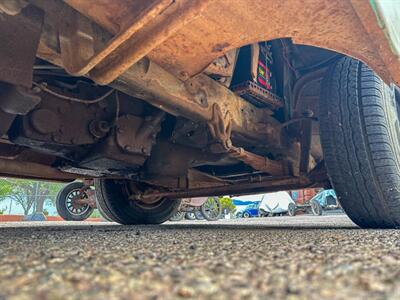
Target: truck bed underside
150	91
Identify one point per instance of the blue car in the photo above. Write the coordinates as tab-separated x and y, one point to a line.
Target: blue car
324	200
250	211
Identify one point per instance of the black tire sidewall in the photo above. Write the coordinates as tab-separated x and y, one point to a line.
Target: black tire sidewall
114	203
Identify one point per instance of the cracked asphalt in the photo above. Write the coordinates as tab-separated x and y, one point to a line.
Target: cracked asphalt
303	257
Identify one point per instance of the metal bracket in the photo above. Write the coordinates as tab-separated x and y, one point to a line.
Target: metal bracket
152	27
19	38
220	129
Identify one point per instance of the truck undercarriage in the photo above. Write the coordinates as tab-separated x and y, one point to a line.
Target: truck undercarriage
166	101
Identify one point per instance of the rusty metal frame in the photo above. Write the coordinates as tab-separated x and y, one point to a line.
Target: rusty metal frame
204	100
194	100
14	168
262	186
72	40
220	128
152	27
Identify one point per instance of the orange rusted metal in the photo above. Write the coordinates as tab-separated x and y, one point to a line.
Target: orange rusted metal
13	168
172	18
346	26
72	41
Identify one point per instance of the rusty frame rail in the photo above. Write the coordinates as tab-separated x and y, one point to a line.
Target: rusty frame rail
267	185
72	40
14	168
152	27
202	99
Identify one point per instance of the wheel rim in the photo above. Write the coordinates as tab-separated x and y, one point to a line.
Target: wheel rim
130	189
74	208
212	208
190	215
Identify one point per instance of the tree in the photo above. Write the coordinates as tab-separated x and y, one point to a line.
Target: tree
227	204
29	194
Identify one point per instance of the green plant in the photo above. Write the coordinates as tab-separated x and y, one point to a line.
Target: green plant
95	214
227	204
29	194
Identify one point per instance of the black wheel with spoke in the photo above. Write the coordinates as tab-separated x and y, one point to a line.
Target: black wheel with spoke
211	209
70	203
116	199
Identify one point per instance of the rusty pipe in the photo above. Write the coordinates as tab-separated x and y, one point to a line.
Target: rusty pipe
167	23
14	168
271	185
78	67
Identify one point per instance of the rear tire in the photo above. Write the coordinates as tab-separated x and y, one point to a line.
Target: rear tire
361	143
113	200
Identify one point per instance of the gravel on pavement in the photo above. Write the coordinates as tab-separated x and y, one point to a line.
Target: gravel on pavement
304	257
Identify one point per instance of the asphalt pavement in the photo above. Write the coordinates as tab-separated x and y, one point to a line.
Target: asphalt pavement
303	257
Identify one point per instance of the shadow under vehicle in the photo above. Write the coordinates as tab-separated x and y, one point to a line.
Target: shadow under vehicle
163	100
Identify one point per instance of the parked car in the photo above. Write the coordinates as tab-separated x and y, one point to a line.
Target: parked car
269	204
324	200
250	211
277	203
